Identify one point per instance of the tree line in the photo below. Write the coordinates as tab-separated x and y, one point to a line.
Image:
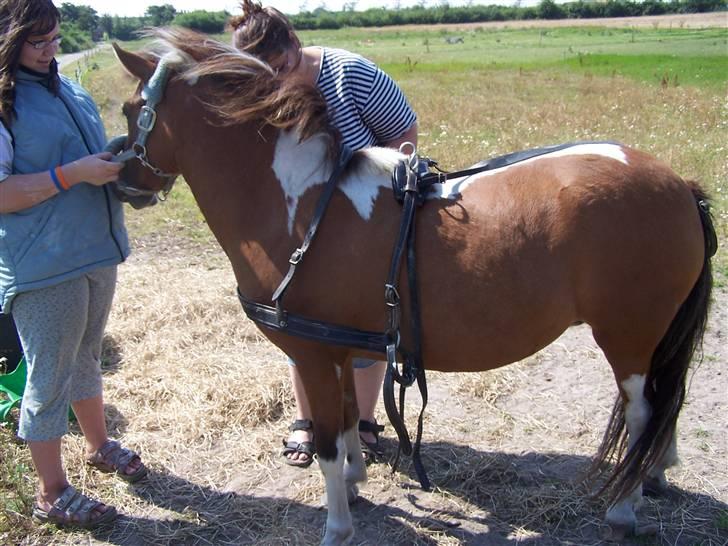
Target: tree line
546	9
81	25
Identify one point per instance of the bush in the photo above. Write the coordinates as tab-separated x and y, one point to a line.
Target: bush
74	39
203	21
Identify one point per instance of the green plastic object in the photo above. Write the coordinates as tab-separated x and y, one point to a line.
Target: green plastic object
12	385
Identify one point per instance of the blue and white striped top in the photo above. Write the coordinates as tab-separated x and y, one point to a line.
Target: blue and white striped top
365	105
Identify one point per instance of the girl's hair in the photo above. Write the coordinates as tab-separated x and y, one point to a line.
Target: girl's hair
263	32
20	19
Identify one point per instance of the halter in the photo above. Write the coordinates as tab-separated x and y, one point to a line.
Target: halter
152	93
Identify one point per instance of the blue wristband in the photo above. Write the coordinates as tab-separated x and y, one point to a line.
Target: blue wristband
55	180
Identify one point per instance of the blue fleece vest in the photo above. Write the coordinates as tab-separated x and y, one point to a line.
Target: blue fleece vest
74	231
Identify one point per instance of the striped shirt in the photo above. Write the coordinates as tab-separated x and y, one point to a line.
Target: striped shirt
364	104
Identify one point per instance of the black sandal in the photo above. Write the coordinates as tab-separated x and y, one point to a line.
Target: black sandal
291	447
370	450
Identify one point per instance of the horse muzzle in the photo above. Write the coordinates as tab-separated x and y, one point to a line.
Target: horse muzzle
138	198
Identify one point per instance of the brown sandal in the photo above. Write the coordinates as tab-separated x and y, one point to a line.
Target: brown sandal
111	457
75	510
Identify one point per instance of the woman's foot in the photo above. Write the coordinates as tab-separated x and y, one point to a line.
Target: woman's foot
111	457
299	449
70	508
369	438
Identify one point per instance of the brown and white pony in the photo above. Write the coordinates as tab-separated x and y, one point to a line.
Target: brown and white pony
508	259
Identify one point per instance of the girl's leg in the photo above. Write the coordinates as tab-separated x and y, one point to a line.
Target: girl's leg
51	477
86	391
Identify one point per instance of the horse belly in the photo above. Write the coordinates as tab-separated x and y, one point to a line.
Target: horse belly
495	289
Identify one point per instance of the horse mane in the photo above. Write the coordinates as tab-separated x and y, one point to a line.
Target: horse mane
243	87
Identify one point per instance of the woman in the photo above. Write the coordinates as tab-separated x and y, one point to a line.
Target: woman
62	236
368	109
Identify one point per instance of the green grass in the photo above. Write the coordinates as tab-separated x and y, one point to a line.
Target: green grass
693	56
722	522
16	485
705	71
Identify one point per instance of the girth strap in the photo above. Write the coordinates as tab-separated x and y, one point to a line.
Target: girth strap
407	178
314	330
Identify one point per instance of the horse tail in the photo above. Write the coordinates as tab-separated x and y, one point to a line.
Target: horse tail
665	383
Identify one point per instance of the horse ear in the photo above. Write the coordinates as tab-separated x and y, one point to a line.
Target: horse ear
135	64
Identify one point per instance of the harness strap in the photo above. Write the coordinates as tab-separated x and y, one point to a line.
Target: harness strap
321	206
416	320
314	330
412	368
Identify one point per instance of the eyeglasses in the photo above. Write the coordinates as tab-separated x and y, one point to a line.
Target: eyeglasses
42	44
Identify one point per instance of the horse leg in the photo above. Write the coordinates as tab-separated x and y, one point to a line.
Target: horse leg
656	482
621	515
324	388
355	469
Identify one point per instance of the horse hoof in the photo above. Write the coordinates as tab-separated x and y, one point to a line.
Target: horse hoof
341	538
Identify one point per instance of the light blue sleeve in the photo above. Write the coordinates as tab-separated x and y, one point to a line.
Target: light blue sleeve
6	153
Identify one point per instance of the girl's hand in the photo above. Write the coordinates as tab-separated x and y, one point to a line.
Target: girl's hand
96	169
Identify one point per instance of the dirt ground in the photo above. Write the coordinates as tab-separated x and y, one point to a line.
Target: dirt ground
504	466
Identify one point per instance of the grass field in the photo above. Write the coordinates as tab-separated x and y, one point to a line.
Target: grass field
660	90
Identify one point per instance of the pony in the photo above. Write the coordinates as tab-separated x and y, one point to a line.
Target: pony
507	259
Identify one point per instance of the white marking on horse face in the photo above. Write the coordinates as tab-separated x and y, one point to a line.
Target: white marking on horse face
636	410
302	165
452	189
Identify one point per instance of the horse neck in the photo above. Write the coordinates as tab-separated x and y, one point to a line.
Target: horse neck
228	171
252	185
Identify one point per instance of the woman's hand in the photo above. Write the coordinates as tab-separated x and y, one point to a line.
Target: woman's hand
21	191
96	169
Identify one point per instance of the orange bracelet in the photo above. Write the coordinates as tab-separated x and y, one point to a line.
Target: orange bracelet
61	178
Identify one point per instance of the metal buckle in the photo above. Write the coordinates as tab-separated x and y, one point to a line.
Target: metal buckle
147	118
391	296
392	357
296	257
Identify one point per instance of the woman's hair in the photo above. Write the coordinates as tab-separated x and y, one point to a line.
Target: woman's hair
263	32
20	19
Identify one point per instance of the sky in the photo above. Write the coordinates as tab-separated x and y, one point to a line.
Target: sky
136	8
